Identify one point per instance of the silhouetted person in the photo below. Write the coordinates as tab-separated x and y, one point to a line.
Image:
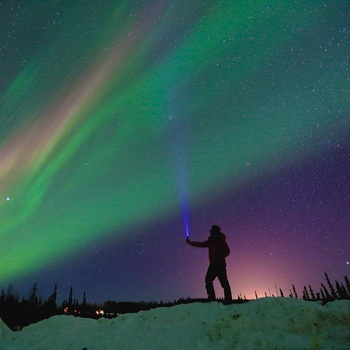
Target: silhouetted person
218	251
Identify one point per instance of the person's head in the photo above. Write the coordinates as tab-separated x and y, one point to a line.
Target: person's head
215	230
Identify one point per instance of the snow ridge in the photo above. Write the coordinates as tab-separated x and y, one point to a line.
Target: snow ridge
268	323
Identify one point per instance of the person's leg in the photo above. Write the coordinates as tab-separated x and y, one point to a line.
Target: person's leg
209	278
222	275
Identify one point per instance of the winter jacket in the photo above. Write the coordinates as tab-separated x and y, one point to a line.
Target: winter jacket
218	248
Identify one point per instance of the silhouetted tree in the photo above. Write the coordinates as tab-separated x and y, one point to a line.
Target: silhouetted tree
84	305
70	301
49	306
70	298
341	290
305	294
2	296
312	293
33	299
326	293
295	291
333	293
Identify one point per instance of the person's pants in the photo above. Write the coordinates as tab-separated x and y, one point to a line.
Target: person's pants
217	270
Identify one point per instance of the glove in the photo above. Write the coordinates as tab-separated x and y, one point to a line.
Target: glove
188	240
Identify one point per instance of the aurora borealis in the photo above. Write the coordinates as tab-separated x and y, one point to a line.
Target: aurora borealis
119	116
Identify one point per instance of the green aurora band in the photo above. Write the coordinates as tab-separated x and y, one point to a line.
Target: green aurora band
85	148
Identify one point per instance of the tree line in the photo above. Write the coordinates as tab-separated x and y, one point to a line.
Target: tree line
325	294
17	312
339	291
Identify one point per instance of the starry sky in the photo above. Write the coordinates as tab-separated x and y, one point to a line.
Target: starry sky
126	123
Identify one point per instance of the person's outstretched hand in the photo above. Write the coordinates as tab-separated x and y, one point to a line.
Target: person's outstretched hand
188	240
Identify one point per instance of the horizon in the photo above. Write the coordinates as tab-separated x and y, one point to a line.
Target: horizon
276	292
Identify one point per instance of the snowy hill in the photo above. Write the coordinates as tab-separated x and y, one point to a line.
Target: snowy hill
269	323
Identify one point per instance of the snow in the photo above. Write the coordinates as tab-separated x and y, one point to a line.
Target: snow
268	323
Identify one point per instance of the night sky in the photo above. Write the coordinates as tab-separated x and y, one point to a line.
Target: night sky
123	120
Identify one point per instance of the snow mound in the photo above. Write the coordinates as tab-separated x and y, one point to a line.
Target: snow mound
269	323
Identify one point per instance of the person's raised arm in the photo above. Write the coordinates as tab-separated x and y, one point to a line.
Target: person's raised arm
197	244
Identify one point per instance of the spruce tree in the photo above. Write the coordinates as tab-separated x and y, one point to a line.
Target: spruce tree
333	293
50	307
70	301
341	290
84	305
312	293
327	295
33	299
347	283
3	297
305	294
295	292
